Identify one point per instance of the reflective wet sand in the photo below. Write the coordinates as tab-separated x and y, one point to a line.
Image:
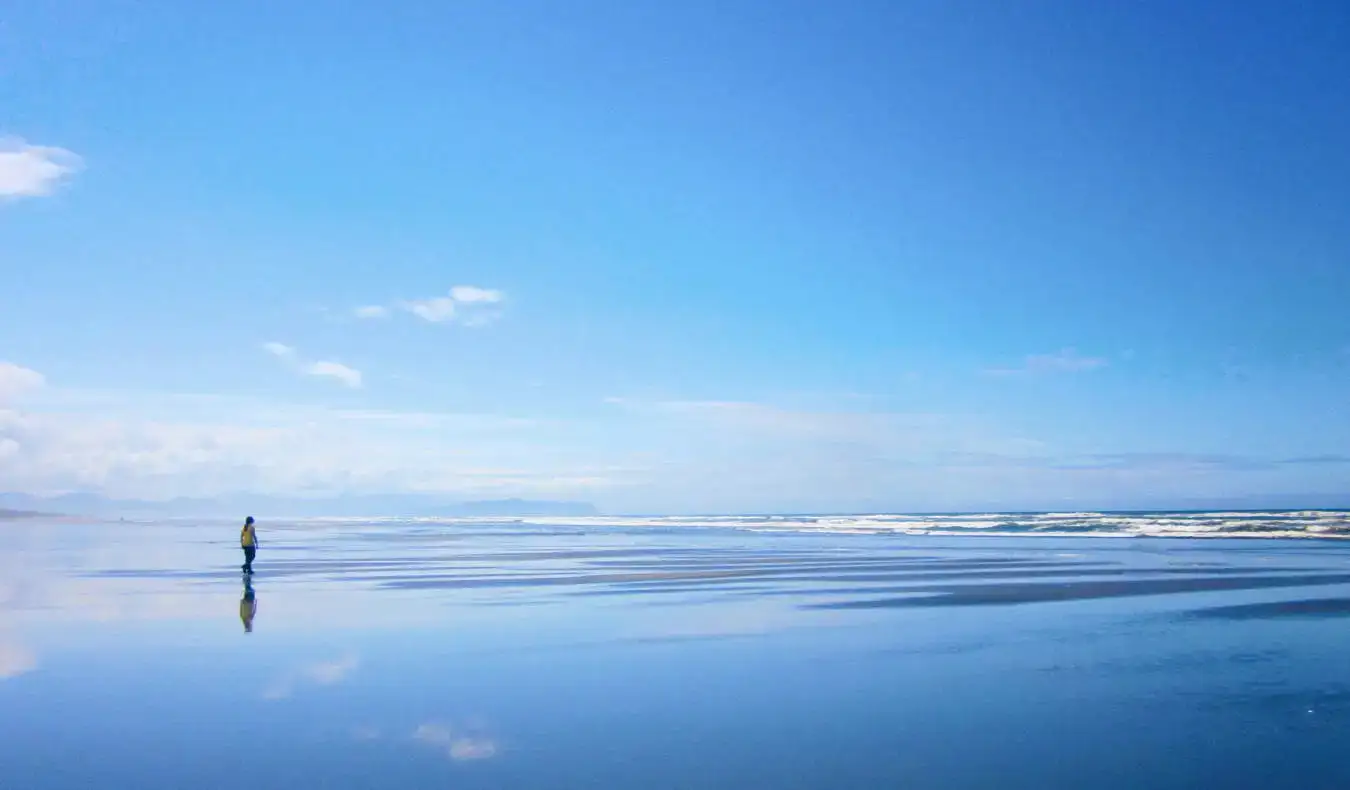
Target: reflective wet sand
498	655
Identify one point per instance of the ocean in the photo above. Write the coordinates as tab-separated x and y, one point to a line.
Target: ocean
1161	523
975	651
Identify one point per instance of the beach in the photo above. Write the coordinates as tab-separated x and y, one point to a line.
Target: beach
666	654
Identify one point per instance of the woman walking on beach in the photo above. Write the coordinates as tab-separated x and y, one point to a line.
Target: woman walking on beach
248	539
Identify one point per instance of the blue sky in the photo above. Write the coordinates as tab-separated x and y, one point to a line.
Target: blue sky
708	256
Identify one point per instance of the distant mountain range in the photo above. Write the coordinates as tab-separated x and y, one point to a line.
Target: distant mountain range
14	506
7	514
239	505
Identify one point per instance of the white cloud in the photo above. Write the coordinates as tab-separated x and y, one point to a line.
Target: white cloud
669	456
33	170
1066	361
335	370
436	310
743	456
467	305
469	294
774	422
348	376
458	745
16	380
158	445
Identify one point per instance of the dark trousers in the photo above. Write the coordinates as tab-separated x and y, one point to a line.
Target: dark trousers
249	552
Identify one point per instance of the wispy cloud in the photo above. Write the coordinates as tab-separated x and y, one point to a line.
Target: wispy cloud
458	744
1180	463
1177	463
279	350
437	310
770	420
33	170
1162	462
1318	460
1066	361
337	371
146	444
467	305
640	455
15	380
470	294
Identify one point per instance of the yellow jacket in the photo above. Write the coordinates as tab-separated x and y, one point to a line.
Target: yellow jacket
247	537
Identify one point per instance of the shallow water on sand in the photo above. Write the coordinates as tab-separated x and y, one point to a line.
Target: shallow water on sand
496	655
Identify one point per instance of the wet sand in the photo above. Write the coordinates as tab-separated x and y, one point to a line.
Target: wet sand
515	655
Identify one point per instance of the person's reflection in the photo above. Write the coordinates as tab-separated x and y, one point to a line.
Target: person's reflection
248	606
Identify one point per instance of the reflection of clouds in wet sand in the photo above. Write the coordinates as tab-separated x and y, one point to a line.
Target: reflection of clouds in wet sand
326	673
323	673
460	745
755	618
15	659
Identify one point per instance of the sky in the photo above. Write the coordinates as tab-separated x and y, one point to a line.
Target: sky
678	257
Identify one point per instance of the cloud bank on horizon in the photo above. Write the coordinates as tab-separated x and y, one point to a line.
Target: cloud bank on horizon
631	455
895	304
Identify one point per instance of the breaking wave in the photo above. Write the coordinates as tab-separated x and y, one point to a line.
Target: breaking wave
1264	524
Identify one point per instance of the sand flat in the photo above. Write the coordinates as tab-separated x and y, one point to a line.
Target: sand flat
491	655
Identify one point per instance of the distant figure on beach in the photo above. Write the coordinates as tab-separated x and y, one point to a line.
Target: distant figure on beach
248	539
248	606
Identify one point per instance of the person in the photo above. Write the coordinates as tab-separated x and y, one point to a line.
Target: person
248	539
248	606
